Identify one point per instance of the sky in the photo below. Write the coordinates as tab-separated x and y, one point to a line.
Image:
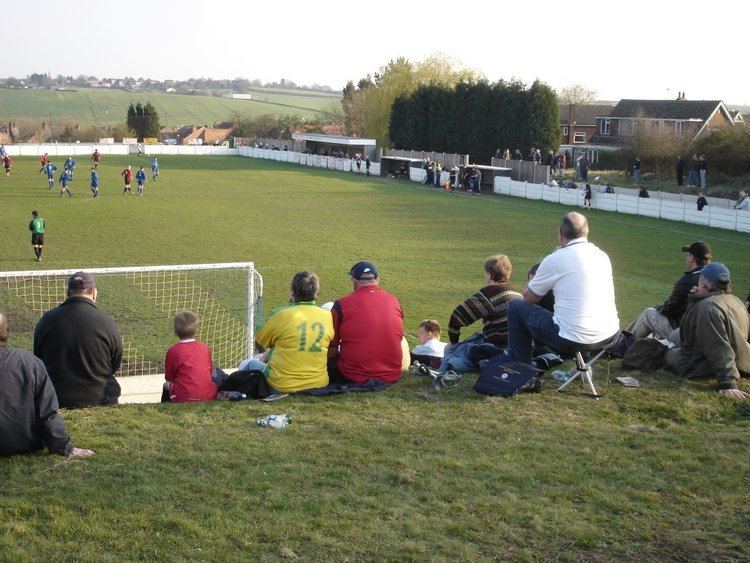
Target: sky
635	49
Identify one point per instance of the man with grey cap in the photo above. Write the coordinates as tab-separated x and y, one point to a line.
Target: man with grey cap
663	319
713	338
81	347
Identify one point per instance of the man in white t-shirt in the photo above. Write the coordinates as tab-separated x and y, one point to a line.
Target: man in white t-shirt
580	277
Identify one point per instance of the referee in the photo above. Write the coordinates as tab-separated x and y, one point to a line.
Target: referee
36	226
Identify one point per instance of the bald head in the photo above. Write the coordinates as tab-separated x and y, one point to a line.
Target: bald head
3	331
572	226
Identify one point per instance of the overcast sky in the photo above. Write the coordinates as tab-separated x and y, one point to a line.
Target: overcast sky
633	49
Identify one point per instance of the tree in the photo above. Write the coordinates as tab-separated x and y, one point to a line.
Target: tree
576	94
143	120
544	118
368	107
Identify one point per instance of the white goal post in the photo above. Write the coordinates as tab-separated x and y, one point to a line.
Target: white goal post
228	299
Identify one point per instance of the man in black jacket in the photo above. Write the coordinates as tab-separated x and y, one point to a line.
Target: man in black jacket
81	347
662	320
29	419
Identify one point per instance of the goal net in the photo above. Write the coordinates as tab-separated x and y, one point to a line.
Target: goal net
143	300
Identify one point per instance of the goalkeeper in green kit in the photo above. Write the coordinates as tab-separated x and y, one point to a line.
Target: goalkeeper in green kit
36	226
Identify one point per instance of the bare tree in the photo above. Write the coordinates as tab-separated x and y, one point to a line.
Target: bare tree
576	94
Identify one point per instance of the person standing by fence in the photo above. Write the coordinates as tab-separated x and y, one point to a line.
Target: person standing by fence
702	170
693	173
680	169
637	169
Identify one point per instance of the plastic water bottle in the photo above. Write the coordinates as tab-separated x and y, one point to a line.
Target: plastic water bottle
275	420
560	375
231	396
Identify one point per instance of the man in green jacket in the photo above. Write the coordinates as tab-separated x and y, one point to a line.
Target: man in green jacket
713	336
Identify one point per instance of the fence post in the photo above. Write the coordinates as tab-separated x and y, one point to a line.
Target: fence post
525	189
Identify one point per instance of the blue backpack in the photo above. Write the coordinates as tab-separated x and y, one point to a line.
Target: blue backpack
505	378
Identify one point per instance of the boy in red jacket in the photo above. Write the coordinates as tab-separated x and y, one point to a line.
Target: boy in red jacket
188	365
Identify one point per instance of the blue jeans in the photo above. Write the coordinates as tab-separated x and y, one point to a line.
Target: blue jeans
636	175
528	323
693	178
703	178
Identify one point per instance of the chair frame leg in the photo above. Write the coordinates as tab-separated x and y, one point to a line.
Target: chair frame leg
584	371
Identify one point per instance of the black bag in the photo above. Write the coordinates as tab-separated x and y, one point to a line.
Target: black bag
622	344
250	382
499	376
647	354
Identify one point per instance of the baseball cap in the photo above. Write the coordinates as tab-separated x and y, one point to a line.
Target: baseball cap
699	249
363	271
716	272
81	280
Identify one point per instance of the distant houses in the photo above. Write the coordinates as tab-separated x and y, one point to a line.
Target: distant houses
591	128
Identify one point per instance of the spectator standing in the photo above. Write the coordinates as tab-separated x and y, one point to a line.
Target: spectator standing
584	166
702	170
506	154
693	172
80	347
680	169
637	169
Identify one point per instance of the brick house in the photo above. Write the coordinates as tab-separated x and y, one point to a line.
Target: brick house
578	122
681	118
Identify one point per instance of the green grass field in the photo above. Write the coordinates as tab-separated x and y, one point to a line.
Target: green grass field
100	107
659	472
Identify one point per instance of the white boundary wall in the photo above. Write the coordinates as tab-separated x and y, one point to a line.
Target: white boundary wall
313	160
76	149
714	215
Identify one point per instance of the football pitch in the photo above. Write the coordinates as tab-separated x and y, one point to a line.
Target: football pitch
657	472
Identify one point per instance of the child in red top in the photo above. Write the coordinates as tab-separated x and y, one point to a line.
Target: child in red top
188	366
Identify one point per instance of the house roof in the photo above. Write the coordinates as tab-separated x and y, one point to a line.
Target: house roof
584	114
666	109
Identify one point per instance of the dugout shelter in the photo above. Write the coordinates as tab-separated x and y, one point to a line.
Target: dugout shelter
318	143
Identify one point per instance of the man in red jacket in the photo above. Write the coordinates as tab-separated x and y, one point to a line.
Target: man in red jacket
369	326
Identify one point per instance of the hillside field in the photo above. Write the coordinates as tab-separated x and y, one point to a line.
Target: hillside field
101	107
661	472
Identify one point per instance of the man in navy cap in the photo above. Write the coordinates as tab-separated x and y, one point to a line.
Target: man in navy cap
368	325
663	319
713	338
80	347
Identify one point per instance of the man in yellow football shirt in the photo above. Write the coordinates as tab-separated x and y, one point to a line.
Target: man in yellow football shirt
297	336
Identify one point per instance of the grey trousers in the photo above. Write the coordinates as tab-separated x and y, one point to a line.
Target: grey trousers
650	321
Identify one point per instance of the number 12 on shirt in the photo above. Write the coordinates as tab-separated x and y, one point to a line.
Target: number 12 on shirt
315	346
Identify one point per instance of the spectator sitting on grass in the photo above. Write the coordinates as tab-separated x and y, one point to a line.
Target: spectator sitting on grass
642	192
701	202
712	340
29	418
489	305
430	350
296	337
188	366
663	319
369	325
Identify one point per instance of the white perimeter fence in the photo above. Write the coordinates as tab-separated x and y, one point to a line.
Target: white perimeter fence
76	149
713	215
314	160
